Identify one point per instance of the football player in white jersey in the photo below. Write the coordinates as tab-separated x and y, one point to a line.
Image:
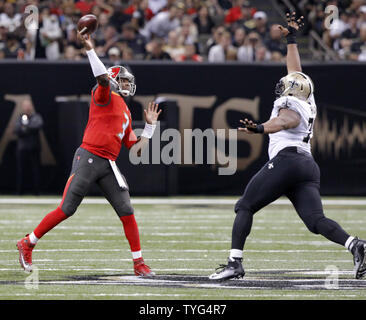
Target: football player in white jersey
291	170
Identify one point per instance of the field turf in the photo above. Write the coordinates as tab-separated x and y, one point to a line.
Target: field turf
183	241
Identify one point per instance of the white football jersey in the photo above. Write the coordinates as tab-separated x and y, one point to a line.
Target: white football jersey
295	137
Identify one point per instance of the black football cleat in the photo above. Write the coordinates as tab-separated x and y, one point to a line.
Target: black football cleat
233	270
359	257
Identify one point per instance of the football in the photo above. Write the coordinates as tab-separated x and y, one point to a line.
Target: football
87	24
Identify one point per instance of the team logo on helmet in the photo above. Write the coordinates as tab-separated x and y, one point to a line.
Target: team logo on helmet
114	71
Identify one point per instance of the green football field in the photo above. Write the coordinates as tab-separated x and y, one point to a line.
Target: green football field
183	241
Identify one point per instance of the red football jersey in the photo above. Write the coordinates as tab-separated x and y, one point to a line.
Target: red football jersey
109	124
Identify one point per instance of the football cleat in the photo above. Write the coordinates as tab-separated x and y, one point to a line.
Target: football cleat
359	257
141	269
234	269
25	249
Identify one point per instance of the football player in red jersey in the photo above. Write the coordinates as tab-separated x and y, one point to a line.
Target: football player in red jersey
109	126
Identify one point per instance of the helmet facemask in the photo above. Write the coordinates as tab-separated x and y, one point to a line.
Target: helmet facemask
280	88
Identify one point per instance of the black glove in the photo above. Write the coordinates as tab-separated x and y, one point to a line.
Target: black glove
293	26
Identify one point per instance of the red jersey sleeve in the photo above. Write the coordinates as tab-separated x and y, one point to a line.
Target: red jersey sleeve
102	95
130	138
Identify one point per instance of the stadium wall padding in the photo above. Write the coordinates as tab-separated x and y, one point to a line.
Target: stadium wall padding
192	96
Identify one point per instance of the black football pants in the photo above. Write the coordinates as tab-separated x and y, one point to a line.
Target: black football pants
88	168
296	175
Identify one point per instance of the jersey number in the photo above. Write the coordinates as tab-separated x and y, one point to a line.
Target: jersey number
124	127
311	125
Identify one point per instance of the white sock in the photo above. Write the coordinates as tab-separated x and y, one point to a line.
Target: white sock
348	242
236	253
32	238
136	254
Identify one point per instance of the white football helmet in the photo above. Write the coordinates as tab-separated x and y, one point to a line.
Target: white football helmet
116	74
295	84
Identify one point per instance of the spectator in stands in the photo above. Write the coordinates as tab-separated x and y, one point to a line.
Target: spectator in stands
72	40
12	46
103	22
239	37
203	20
274	41
261	27
101	6
344	45
67	16
352	32
71	53
174	47
133	40
362	20
190	54
218	53
161	24
9	18
50	33
140	13
114	55
248	52
262	54
192	7
119	17
239	12
216	12
156	5
216	36
85	6
109	40
358	48
3	34
127	54
277	57
356	5
155	50
338	26
187	32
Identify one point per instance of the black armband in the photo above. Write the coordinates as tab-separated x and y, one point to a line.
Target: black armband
291	37
259	128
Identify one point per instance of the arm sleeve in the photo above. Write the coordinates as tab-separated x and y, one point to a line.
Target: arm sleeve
102	95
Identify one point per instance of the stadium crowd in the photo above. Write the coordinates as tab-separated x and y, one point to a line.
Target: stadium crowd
189	30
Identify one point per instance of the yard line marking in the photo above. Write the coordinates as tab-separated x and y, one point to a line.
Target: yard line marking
44	261
294	272
218	295
173	201
180	250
